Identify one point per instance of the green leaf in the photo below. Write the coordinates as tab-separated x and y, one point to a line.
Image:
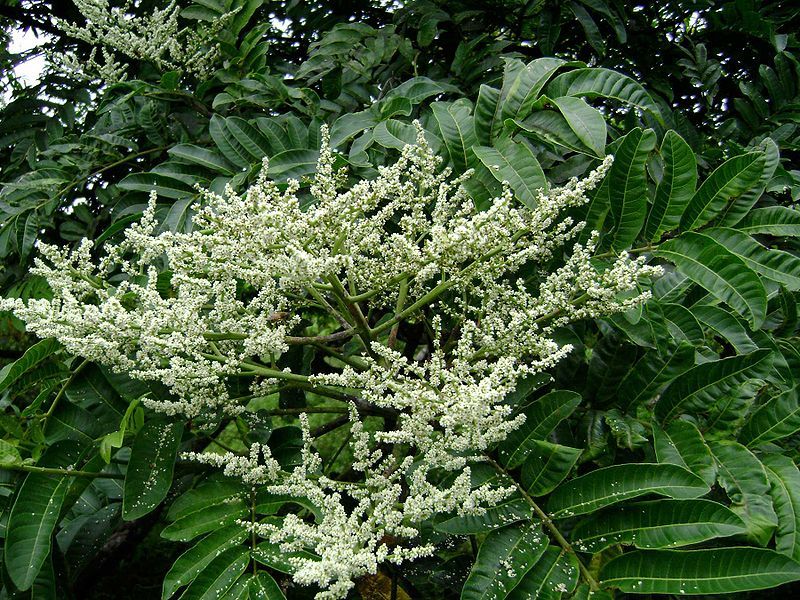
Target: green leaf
586	122
627	180
150	468
351	124
541	417
676	188
511	510
165	185
9	455
682	444
714	571
730	180
35	514
652	373
293	164
272	556
33	357
778	418
504	557
614	484
219	575
458	132
195	559
195	155
515	163
551	127
392	133
595	82
553	574
656	524
728	326
776	265
262	586
547	465
485	109
701	385
784	479
744	479
522	84
205	518
726	276
774	220
740	206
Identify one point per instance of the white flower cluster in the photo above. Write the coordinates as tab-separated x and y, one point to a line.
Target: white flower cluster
193	309
156	37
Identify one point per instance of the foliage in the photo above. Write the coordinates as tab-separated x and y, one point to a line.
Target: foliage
658	457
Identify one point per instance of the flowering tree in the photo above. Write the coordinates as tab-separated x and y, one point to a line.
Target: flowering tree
364	334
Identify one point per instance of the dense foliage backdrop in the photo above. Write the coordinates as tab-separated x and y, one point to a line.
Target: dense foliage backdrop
698	101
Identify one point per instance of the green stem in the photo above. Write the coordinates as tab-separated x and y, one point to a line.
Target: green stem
63	389
548	523
61	472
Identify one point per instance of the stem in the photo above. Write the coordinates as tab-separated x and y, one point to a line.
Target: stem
61	472
548	523
61	392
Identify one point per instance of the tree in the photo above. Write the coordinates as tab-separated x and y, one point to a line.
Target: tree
509	405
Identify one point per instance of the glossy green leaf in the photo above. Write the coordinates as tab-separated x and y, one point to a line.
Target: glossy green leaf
35	514
614	484
693	572
272	556
547	465
784	480
32	357
627	182
504	557
656	524
150	468
541	417
195	559
195	155
218	575
700	386
586	122
457	130
511	510
676	188
682	444
652	373
778	418
730	180
515	163
555	572
744	479
725	275
774	220
262	586
522	84
740	206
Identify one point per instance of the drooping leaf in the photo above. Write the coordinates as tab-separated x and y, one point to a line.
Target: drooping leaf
676	187
692	572
616	483
515	163
457	128
656	524
682	444
652	373
32	357
150	467
725	275
774	220
585	121
504	557
778	418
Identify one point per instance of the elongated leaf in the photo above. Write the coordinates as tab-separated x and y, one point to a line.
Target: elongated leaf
730	180
726	276
33	356
776	265
262	586
522	84
740	206
551	127
676	188
195	559
547	466
614	484
777	419
272	556
505	556
203	157
775	220
205	519
586	122
219	575
351	124
745	482
515	163
458	131
34	516
657	524
511	510
602	83
682	444
556	572
699	388
485	109
727	325
652	373
150	467
541	418
784	479
715	571
627	182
